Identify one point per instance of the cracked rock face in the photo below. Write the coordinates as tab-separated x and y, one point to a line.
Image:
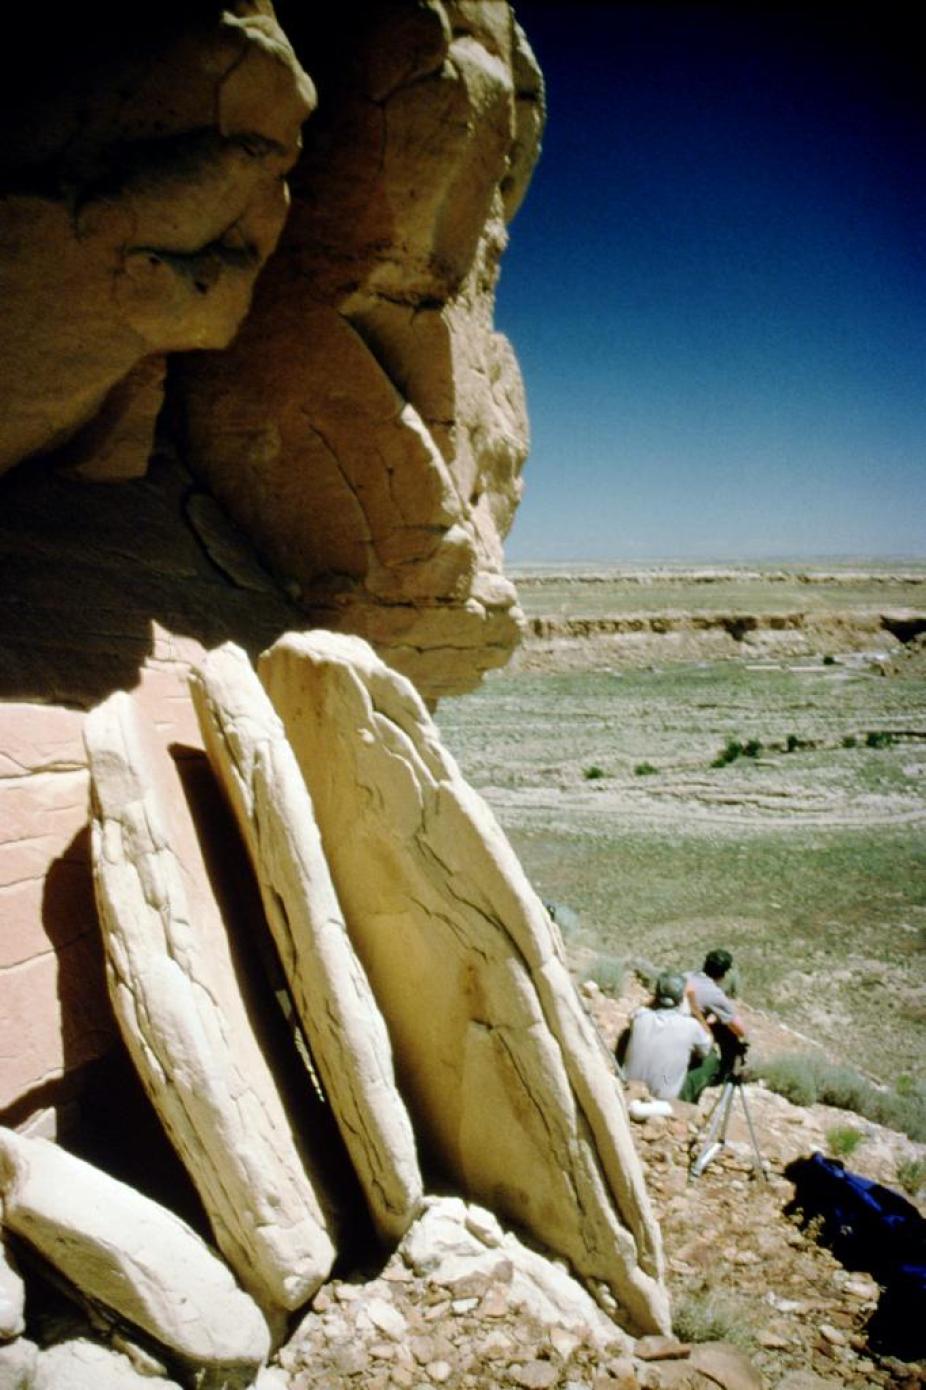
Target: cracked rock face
367	427
506	1081
178	994
337	1010
132	1256
141	190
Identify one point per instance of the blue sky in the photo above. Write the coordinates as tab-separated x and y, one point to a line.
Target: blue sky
716	286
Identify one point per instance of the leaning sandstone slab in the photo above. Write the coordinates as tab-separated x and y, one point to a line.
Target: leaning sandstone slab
504	1075
347	1036
132	1255
195	1043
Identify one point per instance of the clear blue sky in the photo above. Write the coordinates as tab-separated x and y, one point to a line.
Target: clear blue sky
716	285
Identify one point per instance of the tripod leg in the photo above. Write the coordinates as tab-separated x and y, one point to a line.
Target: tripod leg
760	1162
716	1124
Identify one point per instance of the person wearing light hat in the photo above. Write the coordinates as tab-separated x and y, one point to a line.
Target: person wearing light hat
663	1041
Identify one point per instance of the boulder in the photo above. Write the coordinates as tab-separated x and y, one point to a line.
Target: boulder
344	1027
125	1251
368	426
78	1363
17	1364
506	1080
144	185
462	1247
12	1296
197	1043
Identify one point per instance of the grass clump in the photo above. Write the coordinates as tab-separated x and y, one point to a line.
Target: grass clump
708	1315
806	1078
608	974
752	748
843	1140
849	741
879	738
911	1174
593	773
645	770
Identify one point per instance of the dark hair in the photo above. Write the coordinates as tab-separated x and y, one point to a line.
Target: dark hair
717	963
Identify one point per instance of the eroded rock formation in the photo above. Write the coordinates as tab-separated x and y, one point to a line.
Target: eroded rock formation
193	1034
368	425
337	1010
505	1078
132	1256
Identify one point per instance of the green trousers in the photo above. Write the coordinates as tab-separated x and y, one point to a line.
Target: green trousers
706	1073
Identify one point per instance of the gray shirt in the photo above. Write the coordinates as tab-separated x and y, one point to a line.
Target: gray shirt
660	1048
709	997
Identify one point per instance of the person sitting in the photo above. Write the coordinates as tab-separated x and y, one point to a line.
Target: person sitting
662	1040
714	1010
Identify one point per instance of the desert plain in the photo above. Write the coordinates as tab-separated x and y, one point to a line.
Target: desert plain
728	755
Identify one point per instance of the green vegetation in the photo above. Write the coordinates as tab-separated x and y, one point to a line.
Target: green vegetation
608	974
810	869
879	738
644	770
849	741
911	1174
843	1140
709	1315
806	1078
593	773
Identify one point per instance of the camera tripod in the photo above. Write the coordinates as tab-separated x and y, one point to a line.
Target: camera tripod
714	1135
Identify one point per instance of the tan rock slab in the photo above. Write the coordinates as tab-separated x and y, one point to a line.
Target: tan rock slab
12	1296
197	1045
78	1363
505	1078
345	1029
130	1254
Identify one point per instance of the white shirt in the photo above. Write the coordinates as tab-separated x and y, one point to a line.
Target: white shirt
660	1047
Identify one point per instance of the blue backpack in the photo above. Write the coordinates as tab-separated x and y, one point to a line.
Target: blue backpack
871	1227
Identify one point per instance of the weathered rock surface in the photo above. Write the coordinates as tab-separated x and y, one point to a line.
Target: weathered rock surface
17	1364
12	1296
79	1363
141	190
464	1249
131	1255
367	427
345	1030
176	990
504	1076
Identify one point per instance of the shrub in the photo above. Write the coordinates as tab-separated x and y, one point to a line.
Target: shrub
911	1174
608	974
806	1078
849	741
645	769
732	750
843	1140
829	660
792	743
752	748
878	738
592	774
708	1315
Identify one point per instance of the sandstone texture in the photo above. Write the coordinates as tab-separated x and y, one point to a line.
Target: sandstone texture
367	427
77	1363
179	994
141	190
504	1076
131	1255
342	1022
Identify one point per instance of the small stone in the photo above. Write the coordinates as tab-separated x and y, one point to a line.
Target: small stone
495	1303
346	1293
563	1343
533	1375
322	1301
464	1305
348	1360
773	1341
656	1348
402	1377
383	1351
832	1334
439	1371
398	1274
496	1344
439	1310
422	1349
387	1318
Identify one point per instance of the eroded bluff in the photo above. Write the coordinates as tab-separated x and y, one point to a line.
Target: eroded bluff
362	422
